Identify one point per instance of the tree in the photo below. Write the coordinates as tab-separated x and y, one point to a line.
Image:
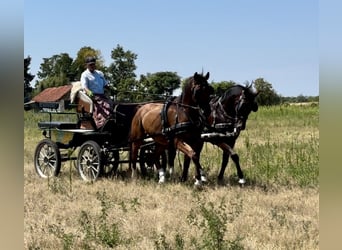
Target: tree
158	85
55	71
267	95
78	65
28	77
121	73
221	87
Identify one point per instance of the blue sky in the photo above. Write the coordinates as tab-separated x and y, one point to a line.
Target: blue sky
233	40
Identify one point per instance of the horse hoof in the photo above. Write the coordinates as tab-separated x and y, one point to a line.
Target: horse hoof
161	179
204	179
242	182
221	182
198	183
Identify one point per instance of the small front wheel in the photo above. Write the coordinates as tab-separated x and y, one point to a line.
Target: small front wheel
47	159
89	161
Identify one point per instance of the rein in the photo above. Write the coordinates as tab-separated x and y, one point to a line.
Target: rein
222	122
220	113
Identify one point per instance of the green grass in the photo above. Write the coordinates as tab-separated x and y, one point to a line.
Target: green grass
279	146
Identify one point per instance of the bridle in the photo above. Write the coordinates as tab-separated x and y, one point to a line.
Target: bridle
231	123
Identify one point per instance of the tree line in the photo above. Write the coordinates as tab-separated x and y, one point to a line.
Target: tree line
61	69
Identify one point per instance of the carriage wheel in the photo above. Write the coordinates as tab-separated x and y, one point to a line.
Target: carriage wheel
147	166
111	163
47	159
89	161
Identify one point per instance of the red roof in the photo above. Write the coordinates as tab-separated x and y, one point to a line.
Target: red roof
52	94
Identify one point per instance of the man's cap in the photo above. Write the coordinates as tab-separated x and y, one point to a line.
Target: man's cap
90	60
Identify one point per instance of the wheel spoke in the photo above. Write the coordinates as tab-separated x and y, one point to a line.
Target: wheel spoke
95	158
89	161
52	165
41	154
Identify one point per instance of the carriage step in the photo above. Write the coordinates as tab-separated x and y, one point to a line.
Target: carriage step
57	125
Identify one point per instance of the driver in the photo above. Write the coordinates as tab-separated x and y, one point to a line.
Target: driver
94	83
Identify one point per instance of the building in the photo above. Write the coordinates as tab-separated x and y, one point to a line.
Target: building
59	97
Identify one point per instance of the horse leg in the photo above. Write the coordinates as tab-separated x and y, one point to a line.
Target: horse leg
198	148
156	156
228	150
171	163
225	159
186	166
133	156
235	158
187	150
200	175
171	158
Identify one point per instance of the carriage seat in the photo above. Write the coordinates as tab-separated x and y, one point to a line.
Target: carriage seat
84	110
84	103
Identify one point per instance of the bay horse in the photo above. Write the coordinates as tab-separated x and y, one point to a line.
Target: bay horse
228	117
177	122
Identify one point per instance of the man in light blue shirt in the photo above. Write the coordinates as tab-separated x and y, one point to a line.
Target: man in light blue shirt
93	82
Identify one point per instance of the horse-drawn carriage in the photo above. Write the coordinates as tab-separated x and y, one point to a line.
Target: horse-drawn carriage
99	149
146	131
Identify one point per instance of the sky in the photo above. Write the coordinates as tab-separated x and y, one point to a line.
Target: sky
232	40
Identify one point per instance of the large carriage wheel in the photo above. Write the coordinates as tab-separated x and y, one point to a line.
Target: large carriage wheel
89	161
147	166
47	159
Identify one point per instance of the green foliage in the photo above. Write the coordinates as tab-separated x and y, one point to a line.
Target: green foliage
282	155
160	242
300	99
54	71
28	77
99	229
78	65
179	242
157	86
212	221
55	66
121	73
267	95
221	87
61	69
66	238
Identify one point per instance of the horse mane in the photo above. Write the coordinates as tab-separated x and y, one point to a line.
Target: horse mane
248	89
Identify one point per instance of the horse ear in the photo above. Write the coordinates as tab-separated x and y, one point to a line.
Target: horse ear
195	77
207	76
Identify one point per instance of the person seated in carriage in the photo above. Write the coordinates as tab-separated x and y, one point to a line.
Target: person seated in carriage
94	83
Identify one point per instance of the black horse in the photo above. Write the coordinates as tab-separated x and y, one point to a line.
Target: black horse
228	117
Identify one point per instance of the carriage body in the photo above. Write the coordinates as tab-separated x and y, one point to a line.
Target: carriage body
99	152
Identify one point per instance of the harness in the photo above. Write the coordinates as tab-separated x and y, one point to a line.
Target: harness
179	127
219	114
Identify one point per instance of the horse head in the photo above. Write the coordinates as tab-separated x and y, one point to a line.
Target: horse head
246	104
200	91
234	106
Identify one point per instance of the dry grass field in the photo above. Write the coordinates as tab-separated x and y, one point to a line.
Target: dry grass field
278	207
